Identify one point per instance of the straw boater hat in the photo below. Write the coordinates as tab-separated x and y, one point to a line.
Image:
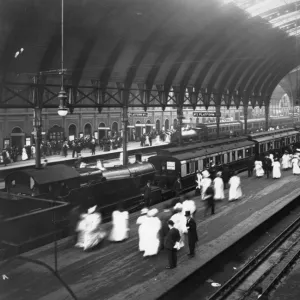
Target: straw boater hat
92	209
219	174
205	174
152	212
178	206
144	211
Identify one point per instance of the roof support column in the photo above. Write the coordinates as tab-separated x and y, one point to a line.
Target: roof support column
218	116
124	96
267	110
245	118
37	99
179	96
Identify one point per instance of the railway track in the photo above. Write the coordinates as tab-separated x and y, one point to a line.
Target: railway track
265	269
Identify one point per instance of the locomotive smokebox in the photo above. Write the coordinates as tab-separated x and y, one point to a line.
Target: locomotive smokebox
138	157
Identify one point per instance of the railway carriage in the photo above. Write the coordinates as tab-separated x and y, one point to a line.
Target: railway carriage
277	140
171	165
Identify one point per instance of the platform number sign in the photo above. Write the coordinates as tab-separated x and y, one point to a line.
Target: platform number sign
171	165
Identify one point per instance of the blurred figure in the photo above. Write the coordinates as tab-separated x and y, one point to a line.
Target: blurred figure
74	218
285	161
164	217
219	187
142	229
250	166
259	171
209	200
235	191
295	162
177	187
179	223
225	176
205	183
90	228
120	228
24	154
198	182
147	194
276	169
152	230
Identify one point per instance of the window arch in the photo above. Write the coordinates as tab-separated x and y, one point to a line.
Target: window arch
102	133
72	130
148	128
157	125
114	129
175	122
88	129
17	130
166	124
138	130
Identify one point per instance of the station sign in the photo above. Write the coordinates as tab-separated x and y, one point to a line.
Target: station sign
204	114
139	115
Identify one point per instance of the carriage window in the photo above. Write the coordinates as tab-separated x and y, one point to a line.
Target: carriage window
233	156
183	170
240	154
206	163
228	157
188	164
247	152
192	167
261	148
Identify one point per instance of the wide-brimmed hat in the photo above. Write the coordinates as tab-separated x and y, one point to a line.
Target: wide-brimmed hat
178	206
144	211
205	174
152	212
92	209
219	173
187	213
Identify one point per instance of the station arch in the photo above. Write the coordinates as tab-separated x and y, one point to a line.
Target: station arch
138	130
175	123
115	129
167	124
102	133
17	137
157	125
88	129
72	130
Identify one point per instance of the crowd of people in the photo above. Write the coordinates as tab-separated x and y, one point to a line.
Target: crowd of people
272	163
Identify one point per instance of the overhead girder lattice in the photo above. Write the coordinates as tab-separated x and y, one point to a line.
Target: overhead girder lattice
159	53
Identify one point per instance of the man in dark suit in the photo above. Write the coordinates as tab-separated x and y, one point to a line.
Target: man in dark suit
172	238
147	194
164	217
267	165
209	200
177	187
250	166
192	233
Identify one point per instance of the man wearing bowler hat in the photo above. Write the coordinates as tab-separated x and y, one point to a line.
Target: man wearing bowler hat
192	233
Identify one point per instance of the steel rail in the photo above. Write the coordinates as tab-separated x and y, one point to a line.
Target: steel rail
229	286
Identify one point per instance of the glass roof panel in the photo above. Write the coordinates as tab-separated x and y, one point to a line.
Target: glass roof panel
284	14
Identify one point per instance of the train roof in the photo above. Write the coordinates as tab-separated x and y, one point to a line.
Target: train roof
50	174
194	146
274	134
207	151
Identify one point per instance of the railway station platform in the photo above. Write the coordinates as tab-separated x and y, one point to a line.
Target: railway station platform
86	153
118	271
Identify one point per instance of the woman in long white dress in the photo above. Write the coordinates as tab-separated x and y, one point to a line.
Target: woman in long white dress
276	169
153	225
219	187
285	161
290	161
141	221
91	232
205	183
258	166
295	162
179	223
235	191
24	154
120	230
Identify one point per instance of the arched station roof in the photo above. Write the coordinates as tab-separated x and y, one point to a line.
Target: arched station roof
190	44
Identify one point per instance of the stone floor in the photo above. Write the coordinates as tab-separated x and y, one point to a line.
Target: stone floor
118	271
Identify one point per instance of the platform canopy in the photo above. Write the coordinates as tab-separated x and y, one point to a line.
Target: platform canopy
165	52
